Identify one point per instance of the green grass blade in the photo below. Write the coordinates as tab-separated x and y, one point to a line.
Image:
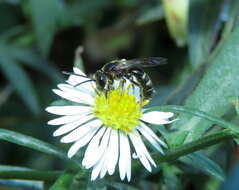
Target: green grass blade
13	172
204	164
32	143
19	79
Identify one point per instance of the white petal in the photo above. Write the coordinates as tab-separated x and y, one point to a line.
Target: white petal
96	170
150	139
81	131
69	110
161	114
97	153
78	71
76	91
75	80
141	151
81	142
65	119
113	152
88	87
124	157
149	131
143	148
69	96
100	164
107	157
157	117
104	166
70	126
92	152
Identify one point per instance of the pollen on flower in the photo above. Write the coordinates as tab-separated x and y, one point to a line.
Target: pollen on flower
118	109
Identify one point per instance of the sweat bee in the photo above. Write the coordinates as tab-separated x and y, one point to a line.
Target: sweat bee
127	70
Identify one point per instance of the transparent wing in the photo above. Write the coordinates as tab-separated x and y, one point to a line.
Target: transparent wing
143	62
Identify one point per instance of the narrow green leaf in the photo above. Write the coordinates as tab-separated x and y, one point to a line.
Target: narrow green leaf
154	14
78	179
230	15
204	19
32	143
201	143
213	93
181	109
29	57
204	164
45	15
121	186
21	184
178	140
63	182
19	79
170	177
13	172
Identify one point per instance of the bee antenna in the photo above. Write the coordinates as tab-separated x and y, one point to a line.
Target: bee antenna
70	73
83	82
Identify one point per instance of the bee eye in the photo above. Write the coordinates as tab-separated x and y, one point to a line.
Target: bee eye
100	80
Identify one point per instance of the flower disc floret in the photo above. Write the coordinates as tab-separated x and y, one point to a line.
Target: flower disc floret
118	109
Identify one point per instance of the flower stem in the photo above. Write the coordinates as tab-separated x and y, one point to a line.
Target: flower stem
196	145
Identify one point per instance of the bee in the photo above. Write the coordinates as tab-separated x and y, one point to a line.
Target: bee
127	70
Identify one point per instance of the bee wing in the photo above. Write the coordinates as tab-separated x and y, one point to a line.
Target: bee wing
143	62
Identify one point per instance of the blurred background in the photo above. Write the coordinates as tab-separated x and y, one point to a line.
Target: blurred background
41	38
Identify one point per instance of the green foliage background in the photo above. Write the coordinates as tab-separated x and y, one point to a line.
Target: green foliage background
41	38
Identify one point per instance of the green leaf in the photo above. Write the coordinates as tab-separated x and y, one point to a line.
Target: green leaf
181	109
121	186
204	20
218	85
201	143
170	178
29	57
178	140
19	79
13	172
63	182
11	17
45	15
230	14
204	164
32	143
154	14
21	184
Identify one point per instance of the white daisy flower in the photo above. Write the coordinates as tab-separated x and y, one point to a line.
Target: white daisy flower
107	124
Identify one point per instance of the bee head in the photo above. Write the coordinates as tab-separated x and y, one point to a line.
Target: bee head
100	80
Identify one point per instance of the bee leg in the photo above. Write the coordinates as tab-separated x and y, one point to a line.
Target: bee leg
142	93
109	86
121	85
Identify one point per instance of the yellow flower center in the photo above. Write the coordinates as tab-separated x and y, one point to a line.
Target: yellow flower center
118	109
